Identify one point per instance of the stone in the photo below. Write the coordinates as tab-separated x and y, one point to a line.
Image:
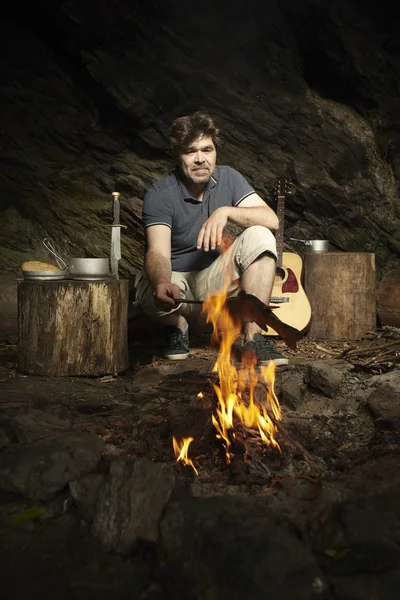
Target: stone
4	441
324	377
390	380
148	376
36	425
361	535
85	492
291	391
368	585
40	469
130	503
235	547
384	404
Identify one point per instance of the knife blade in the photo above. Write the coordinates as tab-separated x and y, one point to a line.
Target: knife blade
115	255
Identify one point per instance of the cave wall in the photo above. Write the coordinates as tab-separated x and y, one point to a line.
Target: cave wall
88	91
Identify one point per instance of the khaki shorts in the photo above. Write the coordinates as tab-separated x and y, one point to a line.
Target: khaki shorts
197	285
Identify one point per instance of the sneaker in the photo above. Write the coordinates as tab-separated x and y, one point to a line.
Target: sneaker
265	352
177	347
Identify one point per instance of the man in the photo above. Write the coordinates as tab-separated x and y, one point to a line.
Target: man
185	215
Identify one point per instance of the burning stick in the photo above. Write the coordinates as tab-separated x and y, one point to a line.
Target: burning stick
246	307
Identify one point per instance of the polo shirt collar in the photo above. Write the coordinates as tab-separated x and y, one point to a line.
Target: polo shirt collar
210	184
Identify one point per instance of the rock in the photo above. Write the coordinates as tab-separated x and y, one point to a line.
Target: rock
130	503
384	404
390	380
361	536
4	441
324	377
85	492
36	425
235	547
173	373
40	469
148	376
291	391
368	585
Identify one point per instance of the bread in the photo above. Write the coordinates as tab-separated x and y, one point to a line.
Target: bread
37	265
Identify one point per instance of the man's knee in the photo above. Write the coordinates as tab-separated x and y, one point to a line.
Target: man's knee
144	295
257	235
256	240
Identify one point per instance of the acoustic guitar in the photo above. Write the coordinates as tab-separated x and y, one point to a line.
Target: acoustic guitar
287	291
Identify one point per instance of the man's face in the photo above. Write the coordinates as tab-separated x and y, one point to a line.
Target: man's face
197	161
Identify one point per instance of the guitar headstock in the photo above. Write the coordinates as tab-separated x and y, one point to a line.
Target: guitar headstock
284	187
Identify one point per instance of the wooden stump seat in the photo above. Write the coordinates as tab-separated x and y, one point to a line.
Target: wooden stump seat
341	288
72	327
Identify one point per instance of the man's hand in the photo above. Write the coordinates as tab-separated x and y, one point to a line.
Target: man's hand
166	295
210	235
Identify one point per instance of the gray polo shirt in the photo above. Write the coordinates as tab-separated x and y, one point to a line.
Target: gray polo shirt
169	203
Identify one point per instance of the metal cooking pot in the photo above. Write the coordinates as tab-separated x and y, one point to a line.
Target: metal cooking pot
316	245
89	269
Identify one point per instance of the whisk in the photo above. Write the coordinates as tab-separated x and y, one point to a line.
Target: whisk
49	245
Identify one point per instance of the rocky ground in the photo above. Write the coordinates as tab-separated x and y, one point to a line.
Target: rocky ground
93	505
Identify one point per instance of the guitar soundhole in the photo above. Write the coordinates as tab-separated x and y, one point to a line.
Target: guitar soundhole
280	273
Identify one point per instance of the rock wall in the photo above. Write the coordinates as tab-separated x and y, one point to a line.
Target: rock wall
89	90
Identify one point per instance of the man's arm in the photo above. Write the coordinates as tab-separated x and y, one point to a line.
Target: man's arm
252	211
157	264
157	261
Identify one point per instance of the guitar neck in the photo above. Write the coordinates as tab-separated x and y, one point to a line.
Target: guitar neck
280	211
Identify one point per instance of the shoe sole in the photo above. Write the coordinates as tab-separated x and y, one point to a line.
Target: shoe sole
176	356
278	362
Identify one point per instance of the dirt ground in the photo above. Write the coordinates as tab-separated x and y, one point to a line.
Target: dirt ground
339	447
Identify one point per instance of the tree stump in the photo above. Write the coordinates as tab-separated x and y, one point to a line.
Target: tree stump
389	299
72	327
341	288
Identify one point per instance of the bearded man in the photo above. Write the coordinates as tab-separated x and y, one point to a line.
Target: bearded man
185	216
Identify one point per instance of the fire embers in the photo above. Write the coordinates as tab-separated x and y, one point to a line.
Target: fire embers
240	419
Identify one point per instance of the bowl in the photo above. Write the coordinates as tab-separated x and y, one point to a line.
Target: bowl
89	269
318	245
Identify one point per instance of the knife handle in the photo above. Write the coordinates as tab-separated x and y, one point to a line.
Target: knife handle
116	207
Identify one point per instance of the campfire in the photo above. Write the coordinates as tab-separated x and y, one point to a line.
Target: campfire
241	417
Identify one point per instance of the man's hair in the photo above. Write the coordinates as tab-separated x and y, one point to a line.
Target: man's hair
186	129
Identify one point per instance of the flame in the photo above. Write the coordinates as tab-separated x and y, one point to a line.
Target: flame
181	452
236	384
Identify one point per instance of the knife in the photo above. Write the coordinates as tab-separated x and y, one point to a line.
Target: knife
115	236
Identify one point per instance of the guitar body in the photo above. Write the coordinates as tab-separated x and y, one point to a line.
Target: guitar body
289	295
